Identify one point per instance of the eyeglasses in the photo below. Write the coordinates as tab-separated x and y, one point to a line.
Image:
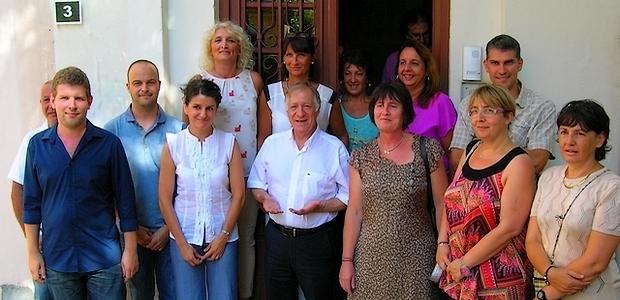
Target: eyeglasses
485	112
418	36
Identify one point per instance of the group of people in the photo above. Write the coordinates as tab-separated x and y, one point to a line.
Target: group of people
422	185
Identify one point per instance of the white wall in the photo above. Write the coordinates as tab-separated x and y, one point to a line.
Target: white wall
571	50
26	61
113	34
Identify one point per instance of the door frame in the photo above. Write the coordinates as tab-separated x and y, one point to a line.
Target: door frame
327	50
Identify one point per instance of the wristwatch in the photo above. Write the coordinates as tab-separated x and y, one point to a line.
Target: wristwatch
541	295
465	271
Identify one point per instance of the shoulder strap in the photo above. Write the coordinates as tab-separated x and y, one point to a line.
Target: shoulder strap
266	91
470	146
430	205
333	97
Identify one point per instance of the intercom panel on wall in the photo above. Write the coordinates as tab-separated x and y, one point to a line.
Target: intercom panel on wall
472	63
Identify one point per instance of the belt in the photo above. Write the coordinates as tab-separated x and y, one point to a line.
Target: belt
295	232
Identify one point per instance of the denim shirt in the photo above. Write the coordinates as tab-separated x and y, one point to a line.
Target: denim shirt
75	199
143	149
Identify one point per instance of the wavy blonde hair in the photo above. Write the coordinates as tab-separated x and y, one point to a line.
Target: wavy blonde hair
246	48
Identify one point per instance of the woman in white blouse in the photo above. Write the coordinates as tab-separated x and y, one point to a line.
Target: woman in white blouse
201	192
298	60
574	226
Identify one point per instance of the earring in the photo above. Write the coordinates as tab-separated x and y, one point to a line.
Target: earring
340	82
397	79
284	63
428	78
313	63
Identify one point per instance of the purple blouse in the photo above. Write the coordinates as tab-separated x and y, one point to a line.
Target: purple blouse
435	121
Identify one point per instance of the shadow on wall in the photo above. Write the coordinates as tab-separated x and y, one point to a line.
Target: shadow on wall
13	292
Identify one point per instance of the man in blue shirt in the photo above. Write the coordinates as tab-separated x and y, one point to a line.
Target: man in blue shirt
76	183
142	129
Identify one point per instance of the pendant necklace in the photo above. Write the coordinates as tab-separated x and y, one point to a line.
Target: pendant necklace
388	151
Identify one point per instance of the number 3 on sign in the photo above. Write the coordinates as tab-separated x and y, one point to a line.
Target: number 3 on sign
68	12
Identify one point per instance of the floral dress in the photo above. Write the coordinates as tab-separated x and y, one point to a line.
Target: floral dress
473	209
395	251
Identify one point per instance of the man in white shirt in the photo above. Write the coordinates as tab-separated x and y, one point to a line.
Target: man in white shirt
301	178
16	174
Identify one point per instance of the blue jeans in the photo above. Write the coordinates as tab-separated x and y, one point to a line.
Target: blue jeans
154	265
218	279
105	284
41	292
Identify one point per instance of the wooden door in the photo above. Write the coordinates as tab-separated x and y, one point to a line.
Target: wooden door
269	21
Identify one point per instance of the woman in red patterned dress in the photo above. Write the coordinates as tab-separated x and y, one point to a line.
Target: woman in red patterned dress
487	206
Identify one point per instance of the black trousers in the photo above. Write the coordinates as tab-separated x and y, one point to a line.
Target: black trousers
310	261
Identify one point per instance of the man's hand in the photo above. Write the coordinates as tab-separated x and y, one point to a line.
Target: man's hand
129	263
144	236
271	206
159	239
309	208
37	267
129	260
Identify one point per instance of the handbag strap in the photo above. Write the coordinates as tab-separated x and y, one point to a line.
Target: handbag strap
430	206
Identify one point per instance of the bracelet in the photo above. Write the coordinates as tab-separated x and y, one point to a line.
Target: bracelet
226	232
443	243
344	258
546	275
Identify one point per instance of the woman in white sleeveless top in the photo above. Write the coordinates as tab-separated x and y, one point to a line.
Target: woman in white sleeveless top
201	190
298	61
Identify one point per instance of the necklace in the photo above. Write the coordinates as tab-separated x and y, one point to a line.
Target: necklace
560	218
570	187
388	151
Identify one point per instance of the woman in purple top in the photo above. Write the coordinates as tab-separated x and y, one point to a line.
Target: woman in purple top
435	112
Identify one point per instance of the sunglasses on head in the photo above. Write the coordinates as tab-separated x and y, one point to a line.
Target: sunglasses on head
293	34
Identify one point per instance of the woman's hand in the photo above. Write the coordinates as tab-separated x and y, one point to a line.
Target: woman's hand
442	257
215	249
454	269
566	281
347	277
190	255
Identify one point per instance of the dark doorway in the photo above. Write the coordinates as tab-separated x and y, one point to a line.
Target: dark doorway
373	26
